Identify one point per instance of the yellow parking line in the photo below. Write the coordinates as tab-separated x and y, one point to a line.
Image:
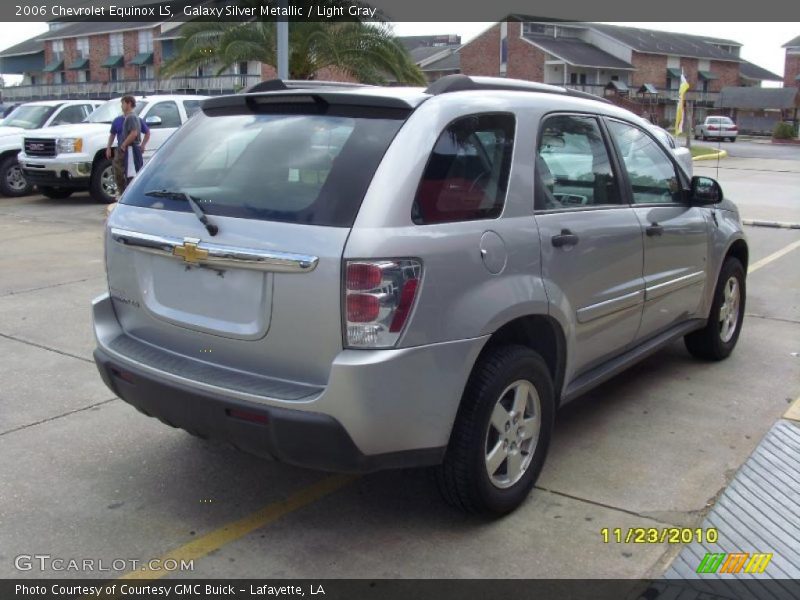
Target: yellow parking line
774	256
233	531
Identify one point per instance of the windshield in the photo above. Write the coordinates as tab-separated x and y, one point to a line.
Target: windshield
312	169
28	117
107	112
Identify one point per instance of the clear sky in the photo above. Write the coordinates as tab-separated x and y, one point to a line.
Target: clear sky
761	41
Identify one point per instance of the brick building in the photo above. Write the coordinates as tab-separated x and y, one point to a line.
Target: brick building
638	68
791	70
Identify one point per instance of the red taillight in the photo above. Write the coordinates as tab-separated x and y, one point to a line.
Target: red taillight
244	415
733	128
363	276
362	308
404	307
378	297
713	128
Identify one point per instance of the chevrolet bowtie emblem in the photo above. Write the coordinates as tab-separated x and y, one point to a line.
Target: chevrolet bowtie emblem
190	252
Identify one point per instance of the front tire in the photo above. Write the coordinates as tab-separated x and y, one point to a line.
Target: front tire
103	188
501	434
718	338
12	180
56	193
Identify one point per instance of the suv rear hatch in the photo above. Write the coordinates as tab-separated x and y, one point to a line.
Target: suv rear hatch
281	176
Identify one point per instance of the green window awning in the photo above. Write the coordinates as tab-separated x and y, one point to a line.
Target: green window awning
616	85
56	65
113	61
674	73
79	64
648	88
707	75
145	58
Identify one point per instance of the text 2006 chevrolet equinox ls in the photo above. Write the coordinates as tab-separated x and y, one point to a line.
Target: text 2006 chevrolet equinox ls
358	278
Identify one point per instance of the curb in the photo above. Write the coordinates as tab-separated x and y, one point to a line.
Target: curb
714	156
776	224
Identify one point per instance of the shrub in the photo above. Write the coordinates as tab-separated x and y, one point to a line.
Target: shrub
783	131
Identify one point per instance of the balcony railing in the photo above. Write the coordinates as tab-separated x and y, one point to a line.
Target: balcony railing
664	95
223	84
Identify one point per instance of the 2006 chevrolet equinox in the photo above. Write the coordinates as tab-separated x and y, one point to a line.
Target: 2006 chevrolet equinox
361	278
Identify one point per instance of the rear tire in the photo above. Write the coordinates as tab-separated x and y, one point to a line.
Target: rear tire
718	338
733	139
12	180
56	193
501	434
103	188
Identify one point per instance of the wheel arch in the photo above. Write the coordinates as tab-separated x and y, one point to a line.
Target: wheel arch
542	334
98	156
740	251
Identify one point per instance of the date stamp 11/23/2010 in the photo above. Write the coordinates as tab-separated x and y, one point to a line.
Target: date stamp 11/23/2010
656	535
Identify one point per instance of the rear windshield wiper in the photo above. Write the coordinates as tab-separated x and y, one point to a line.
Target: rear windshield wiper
210	227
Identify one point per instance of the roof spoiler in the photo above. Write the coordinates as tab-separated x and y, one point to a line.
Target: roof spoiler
279	85
461	83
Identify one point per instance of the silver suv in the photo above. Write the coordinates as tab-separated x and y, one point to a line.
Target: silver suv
359	278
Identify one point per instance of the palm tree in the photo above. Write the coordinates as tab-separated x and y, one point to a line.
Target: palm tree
368	52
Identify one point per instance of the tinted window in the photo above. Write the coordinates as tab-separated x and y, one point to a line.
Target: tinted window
573	167
650	171
191	107
467	173
107	112
168	112
70	114
311	169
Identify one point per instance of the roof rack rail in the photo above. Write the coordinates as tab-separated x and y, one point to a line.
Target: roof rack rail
460	83
276	85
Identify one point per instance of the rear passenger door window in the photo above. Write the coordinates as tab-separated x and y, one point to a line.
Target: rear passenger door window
573	165
466	177
70	114
652	175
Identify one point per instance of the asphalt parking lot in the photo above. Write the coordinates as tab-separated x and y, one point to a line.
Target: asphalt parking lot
85	476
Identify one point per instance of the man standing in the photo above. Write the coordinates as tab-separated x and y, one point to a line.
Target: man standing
119	134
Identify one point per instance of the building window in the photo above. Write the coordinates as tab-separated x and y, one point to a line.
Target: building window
145	41
57	47
115	46
573	78
113	75
82	45
539	29
60	77
503	47
583	79
146	72
33	79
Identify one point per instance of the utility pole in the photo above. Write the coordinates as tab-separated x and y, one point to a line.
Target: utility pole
283	41
690	123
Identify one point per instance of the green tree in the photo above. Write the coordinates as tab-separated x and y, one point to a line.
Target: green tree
366	51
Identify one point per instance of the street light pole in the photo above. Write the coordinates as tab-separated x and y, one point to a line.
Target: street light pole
283	41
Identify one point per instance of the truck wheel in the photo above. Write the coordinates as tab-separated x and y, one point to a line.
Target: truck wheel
56	193
12	180
718	338
501	434
103	187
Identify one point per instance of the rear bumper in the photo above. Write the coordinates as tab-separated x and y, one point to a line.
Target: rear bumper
379	410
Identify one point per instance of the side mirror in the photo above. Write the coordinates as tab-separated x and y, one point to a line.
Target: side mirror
705	190
154	121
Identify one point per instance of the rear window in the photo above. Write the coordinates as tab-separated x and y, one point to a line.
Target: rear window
467	173
312	169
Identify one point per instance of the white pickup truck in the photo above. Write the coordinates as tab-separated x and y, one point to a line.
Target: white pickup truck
28	116
68	158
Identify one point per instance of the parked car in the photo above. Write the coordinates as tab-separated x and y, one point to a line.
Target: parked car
64	159
5	109
721	128
683	154
360	279
26	117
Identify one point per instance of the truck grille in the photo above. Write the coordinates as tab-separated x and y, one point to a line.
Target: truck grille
40	147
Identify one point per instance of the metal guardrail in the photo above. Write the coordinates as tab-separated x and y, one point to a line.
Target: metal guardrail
221	84
599	89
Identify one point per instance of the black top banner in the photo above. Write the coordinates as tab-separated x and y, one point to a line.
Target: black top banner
447	11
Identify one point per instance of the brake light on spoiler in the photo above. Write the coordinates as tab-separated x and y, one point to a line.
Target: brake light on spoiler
378	296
